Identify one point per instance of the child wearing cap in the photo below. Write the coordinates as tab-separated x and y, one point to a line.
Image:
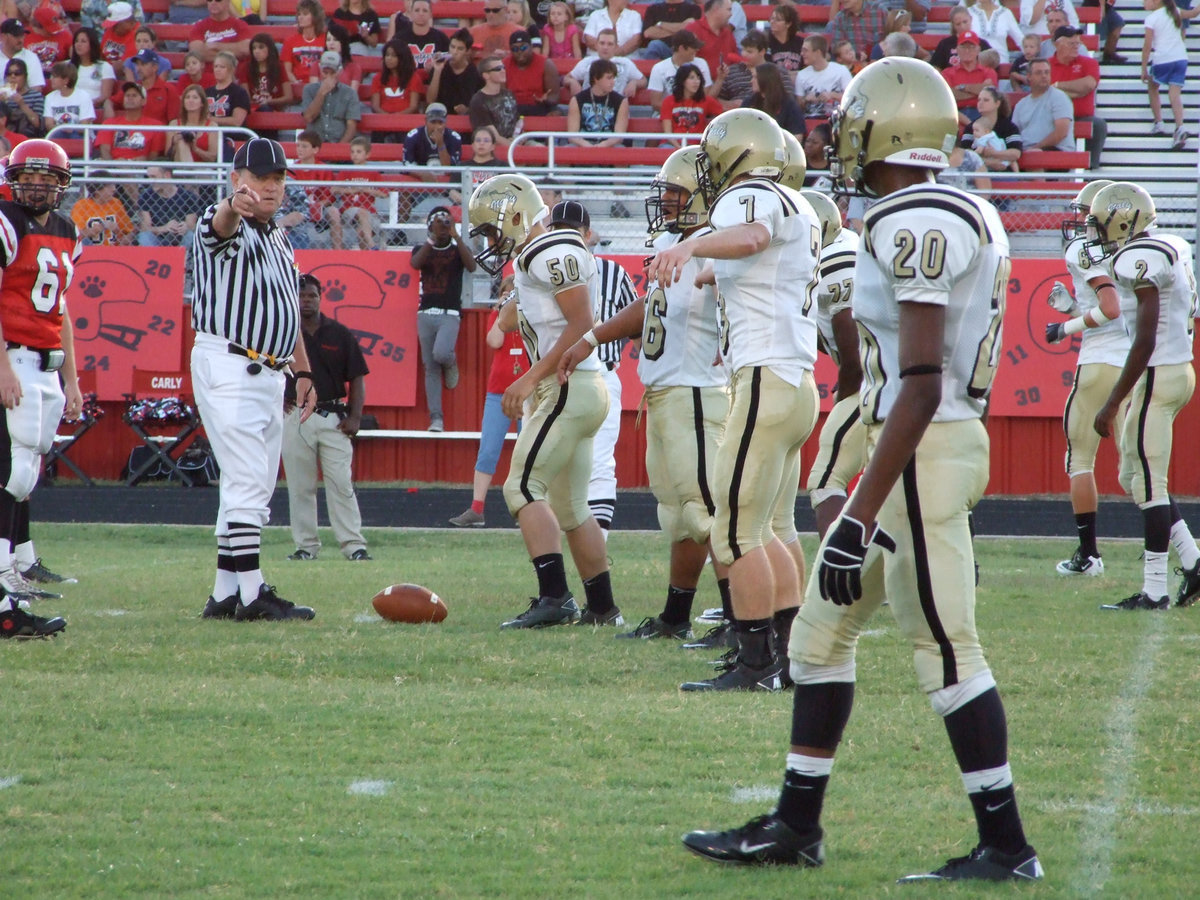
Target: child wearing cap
119	41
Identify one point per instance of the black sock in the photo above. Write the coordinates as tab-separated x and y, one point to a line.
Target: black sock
801	799
598	590
551	575
726	600
1085	524
754	642
997	819
781	624
21	524
679	605
819	716
1157	524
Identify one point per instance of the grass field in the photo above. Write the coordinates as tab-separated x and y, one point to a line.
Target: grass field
147	753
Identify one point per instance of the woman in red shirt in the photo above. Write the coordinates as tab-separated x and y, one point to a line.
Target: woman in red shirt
262	74
688	109
301	52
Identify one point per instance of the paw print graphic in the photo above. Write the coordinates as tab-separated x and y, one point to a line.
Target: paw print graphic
93	287
335	291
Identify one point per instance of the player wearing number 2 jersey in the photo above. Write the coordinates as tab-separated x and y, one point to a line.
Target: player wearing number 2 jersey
38	250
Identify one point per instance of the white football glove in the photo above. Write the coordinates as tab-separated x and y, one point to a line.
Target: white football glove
1060	299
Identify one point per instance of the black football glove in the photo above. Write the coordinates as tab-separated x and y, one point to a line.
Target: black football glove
1055	332
839	566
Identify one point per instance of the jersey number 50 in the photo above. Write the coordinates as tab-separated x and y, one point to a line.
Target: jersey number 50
54	274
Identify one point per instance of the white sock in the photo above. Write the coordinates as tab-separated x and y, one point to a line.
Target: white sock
1184	544
6	604
813	766
226	584
25	554
1154	575
249	583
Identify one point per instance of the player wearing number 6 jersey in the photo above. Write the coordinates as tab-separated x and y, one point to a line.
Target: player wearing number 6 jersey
546	489
38	250
930	282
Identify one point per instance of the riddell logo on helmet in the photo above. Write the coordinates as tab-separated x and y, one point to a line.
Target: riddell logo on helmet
926	156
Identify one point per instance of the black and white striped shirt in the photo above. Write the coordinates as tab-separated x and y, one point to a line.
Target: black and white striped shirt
612	291
246	287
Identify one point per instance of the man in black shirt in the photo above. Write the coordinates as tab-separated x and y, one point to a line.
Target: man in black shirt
663	21
453	79
337	363
416	29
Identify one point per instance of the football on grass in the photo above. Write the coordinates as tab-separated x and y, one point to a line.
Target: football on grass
409	603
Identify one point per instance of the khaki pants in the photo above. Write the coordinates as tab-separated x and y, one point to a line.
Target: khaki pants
304	446
1157	398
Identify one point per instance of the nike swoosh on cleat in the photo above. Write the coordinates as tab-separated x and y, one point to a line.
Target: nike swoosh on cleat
749	848
991	808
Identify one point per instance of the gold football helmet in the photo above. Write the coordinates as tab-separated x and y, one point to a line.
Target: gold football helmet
739	142
1120	212
897	110
676	202
828	214
1076	226
503	210
797	163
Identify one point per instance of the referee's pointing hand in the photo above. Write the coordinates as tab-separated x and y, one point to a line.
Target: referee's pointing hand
244	200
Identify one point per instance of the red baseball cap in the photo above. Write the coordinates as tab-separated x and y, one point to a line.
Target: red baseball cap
968	37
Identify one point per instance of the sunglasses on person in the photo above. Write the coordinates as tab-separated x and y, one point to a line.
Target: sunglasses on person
493	69
493	9
522	46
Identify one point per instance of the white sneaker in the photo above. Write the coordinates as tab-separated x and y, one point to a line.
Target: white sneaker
1079	564
1180	140
14	585
1159	128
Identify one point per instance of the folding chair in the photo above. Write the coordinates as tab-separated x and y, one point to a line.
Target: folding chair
81	426
171	413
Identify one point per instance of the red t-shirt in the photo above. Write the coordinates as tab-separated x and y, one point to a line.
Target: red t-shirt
49	48
303	54
358	199
713	47
1079	67
227	31
260	90
956	75
117	47
132	142
318	197
185	81
162	101
528	84
509	362
689	116
394	99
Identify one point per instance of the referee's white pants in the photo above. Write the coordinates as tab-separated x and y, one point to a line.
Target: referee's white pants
304	445
243	417
603	484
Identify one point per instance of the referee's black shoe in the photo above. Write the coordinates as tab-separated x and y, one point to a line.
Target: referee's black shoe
221	609
268	605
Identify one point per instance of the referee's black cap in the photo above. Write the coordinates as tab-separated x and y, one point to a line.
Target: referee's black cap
262	156
571	213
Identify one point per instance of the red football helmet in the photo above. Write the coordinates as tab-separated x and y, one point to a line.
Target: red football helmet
38	155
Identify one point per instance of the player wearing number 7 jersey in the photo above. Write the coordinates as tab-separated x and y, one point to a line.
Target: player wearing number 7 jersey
38	250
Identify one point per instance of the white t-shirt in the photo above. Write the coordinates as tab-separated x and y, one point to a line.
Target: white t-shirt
996	28
834	77
1168	40
91	79
64	110
1039	27
662	76
627	71
629	24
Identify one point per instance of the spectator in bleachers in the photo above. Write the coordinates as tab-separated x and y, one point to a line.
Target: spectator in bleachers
319	197
717	39
1109	29
784	43
899	43
995	24
898	20
483	150
50	38
356	200
162	97
861	22
100	216
25	104
1165	62
814	145
185	12
362	25
12	46
194	72
144	38
220	32
599	108
684	46
66	104
454	79
228	101
1044	118
417	31
92	13
996	113
167	213
968	77
252	12
397	88
624	21
96	77
629	77
776	99
301	52
131	141
8	136
492	34
433	144
337	40
945	54
966	171
819	85
531	77
193	146
1056	19
662	21
561	37
735	82
844	53
519	14
263	76
1077	76
688	108
494	107
1031	15
330	107
1018	66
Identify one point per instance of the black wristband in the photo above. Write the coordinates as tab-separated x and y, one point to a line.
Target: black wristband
307	375
921	370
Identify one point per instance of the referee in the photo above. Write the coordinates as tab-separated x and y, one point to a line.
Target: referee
246	314
612	291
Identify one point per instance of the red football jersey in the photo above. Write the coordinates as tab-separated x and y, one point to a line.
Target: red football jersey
38	262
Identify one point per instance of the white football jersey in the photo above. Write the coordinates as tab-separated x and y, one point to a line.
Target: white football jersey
548	265
835	290
1108	344
768	299
932	244
1164	261
679	331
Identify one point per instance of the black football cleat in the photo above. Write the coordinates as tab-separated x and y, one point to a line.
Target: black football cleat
1189	588
590	617
765	841
21	624
651	629
1140	600
39	573
221	609
719	637
270	606
546	611
360	555
986	864
740	677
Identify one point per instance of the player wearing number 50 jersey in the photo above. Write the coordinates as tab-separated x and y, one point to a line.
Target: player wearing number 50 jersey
930	282
1157	377
546	489
38	250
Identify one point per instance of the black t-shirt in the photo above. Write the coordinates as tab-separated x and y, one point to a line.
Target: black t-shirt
670	13
786	54
441	278
457	89
359	25
223	101
945	54
334	357
422	46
